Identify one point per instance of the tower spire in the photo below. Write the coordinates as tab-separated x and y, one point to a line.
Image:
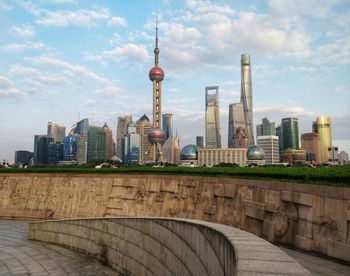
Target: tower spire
156	49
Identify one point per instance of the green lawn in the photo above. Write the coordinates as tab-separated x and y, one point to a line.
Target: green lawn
335	176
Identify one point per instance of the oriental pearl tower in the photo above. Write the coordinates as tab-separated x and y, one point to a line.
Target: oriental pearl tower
156	135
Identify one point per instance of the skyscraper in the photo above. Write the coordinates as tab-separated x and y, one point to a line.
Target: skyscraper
322	126
290	133
56	132
123	122
55	153
235	121
270	146
266	128
96	144
310	142
82	127
70	147
132	146
41	149
171	150
23	156
109	142
247	97
199	142
168	125
143	126
212	118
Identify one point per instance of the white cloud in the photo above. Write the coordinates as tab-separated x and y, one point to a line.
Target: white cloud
24	31
117	21
59	1
130	52
70	69
16	47
83	18
7	90
109	91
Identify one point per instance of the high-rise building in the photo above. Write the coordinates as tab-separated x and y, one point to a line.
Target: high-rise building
82	127
56	132
322	126
96	144
132	146
235	121
343	158
240	140
310	142
70	147
109	142
168	125
270	146
290	133
82	147
171	150
199	141
266	128
41	148
143	126
55	153
333	155
212	118
23	156
123	122
247	96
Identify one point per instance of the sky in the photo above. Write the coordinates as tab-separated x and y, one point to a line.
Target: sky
61	60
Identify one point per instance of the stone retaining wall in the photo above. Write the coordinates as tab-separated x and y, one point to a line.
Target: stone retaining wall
311	217
158	246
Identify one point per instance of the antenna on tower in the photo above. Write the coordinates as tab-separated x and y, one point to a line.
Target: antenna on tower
157	30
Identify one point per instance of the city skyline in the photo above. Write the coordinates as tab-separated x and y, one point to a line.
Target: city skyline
64	58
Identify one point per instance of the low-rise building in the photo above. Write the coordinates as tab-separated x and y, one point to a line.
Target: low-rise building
210	157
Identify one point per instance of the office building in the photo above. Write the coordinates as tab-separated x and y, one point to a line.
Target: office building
168	125
322	126
235	121
240	139
310	142
23	157
41	148
210	157
294	156
109	142
267	128
171	150
290	133
82	127
333	155
82	148
247	96
70	147
132	146
96	144
212	118
270	146
343	158
199	141
56	132
55	153
143	126
123	122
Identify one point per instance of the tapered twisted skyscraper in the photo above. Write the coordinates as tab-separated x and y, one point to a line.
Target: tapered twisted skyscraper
247	97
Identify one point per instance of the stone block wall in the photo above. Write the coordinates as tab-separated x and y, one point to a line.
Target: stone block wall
311	217
158	246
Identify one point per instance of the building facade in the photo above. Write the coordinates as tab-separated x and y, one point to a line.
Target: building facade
199	141
70	147
210	157
56	132
267	128
143	126
55	153
333	155
82	147
270	146
290	133
247	96
167	125
109	142
310	142
343	158
212	118
235	121
123	122
96	144
23	156
132	146
171	150
322	126
41	149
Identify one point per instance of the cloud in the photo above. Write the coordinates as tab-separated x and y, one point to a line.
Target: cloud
7	90
129	52
117	21
109	91
24	31
16	47
83	18
70	69
59	1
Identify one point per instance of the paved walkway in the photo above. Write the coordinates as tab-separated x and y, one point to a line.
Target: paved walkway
20	256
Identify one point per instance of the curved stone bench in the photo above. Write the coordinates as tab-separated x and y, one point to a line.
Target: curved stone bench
161	246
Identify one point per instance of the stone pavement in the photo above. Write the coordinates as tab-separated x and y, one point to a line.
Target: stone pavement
318	265
20	256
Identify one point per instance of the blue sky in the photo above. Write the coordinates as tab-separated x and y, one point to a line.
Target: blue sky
62	58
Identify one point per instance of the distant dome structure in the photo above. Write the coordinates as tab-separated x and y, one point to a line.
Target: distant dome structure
189	152
255	152
156	135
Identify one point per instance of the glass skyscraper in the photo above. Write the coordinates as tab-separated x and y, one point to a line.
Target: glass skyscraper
41	148
266	128
96	144
56	132
322	126
123	122
167	125
212	118
247	96
132	146
290	133
235	121
70	147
